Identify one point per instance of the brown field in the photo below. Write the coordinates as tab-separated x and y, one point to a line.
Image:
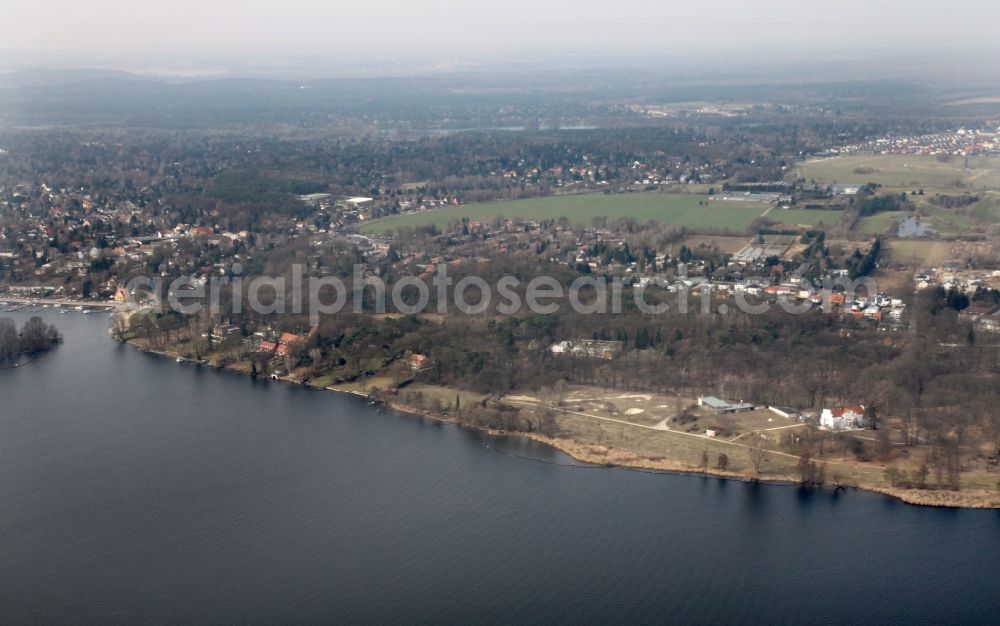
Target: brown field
726	244
893	282
923	253
646	426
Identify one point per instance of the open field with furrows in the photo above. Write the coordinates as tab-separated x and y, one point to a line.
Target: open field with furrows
921	253
906	171
897	282
928	253
804	217
726	244
692	211
932	253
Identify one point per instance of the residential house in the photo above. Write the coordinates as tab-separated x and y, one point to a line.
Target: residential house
223	332
418	362
843	418
269	347
591	348
289	342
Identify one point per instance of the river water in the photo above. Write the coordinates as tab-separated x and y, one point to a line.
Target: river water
134	489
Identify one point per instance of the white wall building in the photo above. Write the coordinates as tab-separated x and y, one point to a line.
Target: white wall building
843	418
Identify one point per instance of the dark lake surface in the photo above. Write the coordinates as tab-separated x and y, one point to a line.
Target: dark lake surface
137	490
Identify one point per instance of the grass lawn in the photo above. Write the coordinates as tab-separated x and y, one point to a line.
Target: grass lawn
945	222
804	217
906	171
322	381
988	209
682	209
941	221
445	395
878	224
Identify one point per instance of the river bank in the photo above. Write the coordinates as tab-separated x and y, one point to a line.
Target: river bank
611	456
31	359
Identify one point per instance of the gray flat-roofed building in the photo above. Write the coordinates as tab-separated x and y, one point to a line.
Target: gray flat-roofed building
721	406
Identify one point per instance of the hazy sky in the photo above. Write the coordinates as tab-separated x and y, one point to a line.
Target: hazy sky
163	29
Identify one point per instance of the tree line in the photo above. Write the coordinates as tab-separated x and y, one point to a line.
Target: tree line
35	336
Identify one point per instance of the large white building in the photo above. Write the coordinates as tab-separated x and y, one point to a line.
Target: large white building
843	418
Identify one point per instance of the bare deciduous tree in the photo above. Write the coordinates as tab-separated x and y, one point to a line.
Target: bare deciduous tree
756	452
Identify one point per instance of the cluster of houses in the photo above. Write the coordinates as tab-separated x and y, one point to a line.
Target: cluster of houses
983	315
601	250
284	344
345	212
33	255
959	142
952	278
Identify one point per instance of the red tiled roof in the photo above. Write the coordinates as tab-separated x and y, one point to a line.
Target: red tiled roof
857	409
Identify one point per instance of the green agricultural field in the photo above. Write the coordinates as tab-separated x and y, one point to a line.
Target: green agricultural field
682	209
906	171
804	217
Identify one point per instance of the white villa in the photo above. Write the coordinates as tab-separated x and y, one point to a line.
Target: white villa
843	418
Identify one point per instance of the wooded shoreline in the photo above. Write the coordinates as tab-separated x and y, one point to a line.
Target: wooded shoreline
625	459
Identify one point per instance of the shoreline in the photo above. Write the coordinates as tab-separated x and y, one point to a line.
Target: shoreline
625	459
31	359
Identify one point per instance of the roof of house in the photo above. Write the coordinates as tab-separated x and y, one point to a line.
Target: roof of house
714	402
722	405
855	409
979	308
